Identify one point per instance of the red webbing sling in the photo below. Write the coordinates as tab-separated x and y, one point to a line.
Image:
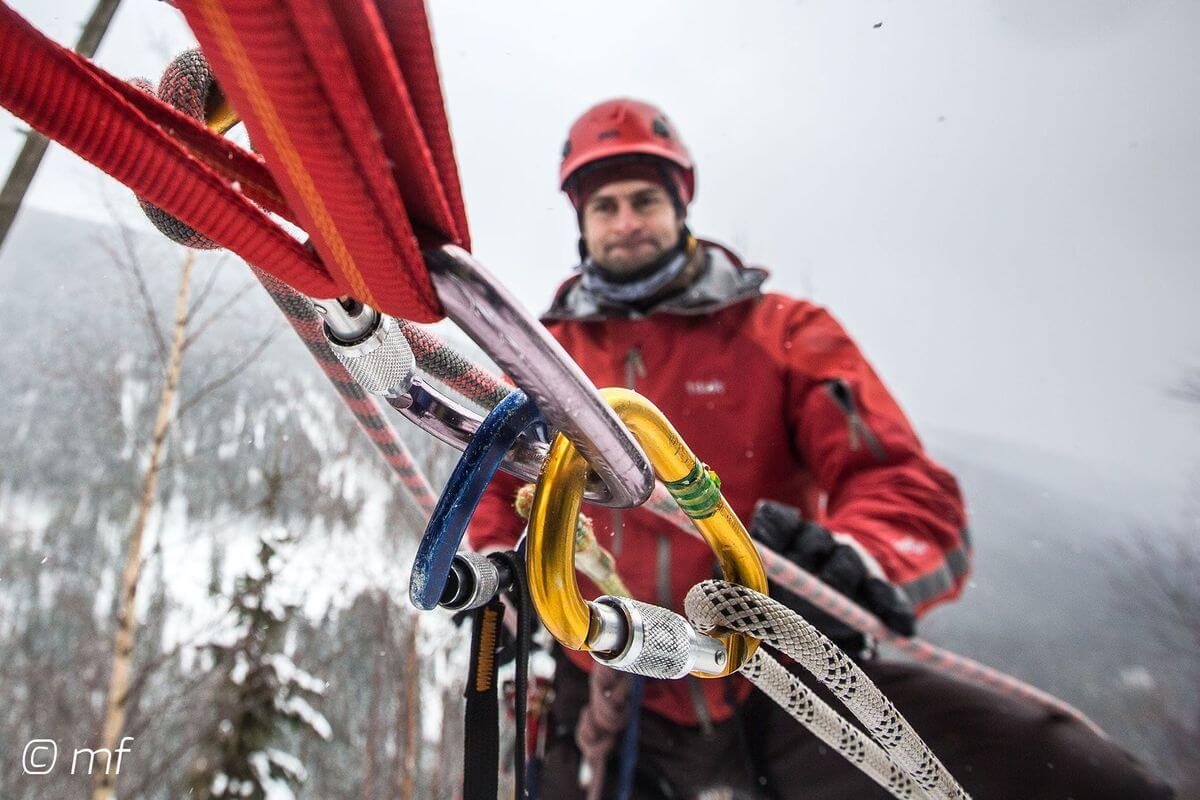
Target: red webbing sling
342	99
217	152
412	39
114	127
359	147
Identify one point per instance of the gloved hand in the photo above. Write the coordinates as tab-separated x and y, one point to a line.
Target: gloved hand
842	565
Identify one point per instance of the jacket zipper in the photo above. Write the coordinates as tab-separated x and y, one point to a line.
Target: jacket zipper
635	367
860	432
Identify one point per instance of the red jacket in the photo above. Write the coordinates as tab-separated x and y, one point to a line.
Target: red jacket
774	395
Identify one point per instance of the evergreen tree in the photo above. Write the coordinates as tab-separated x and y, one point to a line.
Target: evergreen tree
263	697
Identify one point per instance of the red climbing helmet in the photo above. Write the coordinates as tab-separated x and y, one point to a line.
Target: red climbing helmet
623	127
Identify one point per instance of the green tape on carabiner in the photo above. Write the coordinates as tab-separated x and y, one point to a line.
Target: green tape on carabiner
698	493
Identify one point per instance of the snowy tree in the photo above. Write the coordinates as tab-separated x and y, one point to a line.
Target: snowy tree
264	698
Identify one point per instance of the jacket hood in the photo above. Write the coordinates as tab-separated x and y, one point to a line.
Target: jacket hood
723	282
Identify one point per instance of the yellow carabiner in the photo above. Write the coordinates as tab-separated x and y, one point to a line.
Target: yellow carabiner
219	114
551	539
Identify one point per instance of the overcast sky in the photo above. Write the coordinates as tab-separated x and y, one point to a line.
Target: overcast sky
999	199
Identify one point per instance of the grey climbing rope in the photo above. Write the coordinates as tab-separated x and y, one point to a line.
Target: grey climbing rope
714	604
803	705
441	361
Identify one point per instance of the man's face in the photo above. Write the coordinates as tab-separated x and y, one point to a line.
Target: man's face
627	224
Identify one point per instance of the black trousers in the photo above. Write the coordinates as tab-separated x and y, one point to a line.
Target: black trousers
998	747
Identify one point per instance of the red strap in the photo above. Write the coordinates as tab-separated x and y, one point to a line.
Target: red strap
61	95
295	70
218	153
341	96
412	40
404	138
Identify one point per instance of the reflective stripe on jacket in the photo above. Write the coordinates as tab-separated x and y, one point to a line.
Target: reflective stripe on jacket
773	394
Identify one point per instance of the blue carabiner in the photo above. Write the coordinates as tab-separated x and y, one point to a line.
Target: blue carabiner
511	417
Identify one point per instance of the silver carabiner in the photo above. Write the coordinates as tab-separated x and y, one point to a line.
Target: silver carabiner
508	333
374	351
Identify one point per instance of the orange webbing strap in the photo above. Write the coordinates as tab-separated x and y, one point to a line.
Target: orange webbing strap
321	90
82	108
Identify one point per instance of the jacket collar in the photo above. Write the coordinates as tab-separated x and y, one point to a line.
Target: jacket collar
724	281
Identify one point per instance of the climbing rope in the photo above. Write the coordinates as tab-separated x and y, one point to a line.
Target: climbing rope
819	718
764	671
305	320
451	368
187	84
795	579
720	605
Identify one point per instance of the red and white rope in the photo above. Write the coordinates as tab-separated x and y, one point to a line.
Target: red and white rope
806	585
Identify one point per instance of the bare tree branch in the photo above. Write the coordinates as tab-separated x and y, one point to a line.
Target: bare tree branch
229	375
173	461
126	258
205	290
139	724
228	306
147	671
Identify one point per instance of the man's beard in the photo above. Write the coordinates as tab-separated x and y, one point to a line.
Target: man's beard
641	283
623	270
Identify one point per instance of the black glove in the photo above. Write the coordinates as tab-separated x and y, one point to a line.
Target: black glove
807	544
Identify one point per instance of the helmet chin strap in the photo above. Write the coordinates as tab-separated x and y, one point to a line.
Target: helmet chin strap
645	282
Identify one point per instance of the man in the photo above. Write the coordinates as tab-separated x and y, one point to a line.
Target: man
811	448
